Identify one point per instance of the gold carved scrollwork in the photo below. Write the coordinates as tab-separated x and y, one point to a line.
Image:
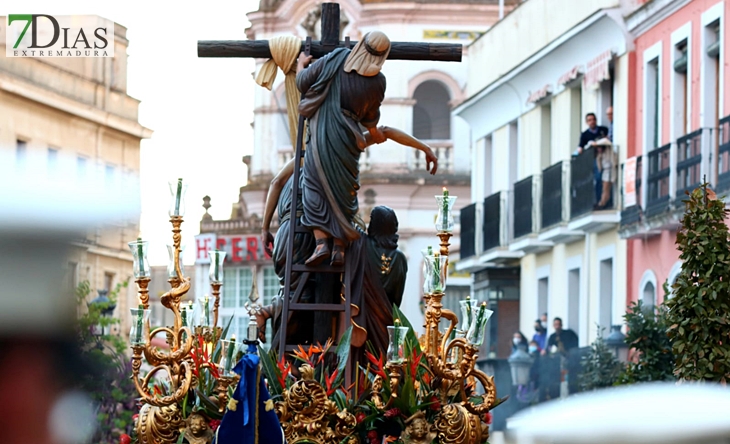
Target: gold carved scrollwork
306	414
455	425
159	425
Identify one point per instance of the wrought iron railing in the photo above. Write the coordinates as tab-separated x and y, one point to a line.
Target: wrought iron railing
491	235
689	162
552	195
468	231
582	183
657	182
632	214
723	155
523	202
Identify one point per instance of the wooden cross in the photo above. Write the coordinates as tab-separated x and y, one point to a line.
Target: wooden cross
445	52
442	52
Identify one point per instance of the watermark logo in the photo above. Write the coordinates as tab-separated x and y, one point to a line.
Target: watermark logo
43	35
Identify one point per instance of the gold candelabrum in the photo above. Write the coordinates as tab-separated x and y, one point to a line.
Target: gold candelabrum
160	418
451	359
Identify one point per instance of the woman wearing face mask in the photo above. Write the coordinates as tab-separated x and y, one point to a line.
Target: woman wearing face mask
519	340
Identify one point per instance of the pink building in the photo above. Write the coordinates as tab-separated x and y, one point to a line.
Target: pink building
679	130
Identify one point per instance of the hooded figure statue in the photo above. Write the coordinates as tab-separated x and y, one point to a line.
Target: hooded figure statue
342	91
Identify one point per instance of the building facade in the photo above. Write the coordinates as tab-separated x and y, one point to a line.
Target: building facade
73	118
533	215
419	98
680	131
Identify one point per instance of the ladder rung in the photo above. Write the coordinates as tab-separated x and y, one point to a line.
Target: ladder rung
318	268
317	307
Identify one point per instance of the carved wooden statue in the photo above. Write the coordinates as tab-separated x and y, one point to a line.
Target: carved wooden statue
198	431
418	430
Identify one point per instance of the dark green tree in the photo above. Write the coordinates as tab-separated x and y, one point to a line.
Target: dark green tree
699	312
647	335
109	368
600	367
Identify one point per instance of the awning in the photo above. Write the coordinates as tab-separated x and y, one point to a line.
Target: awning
597	70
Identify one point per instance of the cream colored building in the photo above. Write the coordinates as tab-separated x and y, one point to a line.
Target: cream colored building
72	117
533	200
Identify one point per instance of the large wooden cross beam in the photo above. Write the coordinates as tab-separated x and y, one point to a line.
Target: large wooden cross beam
442	52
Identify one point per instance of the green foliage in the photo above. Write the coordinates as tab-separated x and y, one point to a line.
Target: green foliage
108	381
699	312
647	335
600	367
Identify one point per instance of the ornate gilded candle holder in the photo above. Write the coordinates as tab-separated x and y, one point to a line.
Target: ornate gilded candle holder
161	419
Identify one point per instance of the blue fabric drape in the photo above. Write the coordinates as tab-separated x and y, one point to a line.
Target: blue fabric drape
240	426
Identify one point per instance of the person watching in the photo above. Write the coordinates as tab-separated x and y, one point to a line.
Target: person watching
563	340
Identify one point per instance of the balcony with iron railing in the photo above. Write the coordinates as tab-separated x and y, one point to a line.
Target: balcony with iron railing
657	180
586	191
486	242
527	217
723	156
559	205
673	170
467	218
556	201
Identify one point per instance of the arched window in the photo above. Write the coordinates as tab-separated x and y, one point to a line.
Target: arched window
431	113
647	289
649	295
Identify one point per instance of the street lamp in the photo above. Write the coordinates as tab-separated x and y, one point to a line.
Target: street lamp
520	363
106	309
617	342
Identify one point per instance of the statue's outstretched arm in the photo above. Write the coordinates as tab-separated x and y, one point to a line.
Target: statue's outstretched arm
272	199
406	139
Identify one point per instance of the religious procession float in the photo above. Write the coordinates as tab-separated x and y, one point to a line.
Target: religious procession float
371	379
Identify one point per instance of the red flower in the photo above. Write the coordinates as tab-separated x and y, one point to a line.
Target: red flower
284	370
488	417
436	404
329	380
360	417
392	413
201	358
214	423
125	439
134	417
378	363
373	434
415	360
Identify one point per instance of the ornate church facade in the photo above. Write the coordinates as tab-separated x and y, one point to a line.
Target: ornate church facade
418	100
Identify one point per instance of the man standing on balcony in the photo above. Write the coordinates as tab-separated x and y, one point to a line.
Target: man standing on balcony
593	133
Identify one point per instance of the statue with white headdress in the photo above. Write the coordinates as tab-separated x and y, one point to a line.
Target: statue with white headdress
342	93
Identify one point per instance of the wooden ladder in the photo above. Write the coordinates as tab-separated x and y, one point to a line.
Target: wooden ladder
330	37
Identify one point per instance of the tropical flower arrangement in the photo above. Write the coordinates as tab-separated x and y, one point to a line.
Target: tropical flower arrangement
202	399
382	410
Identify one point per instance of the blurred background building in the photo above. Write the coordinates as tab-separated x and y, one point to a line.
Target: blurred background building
73	118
